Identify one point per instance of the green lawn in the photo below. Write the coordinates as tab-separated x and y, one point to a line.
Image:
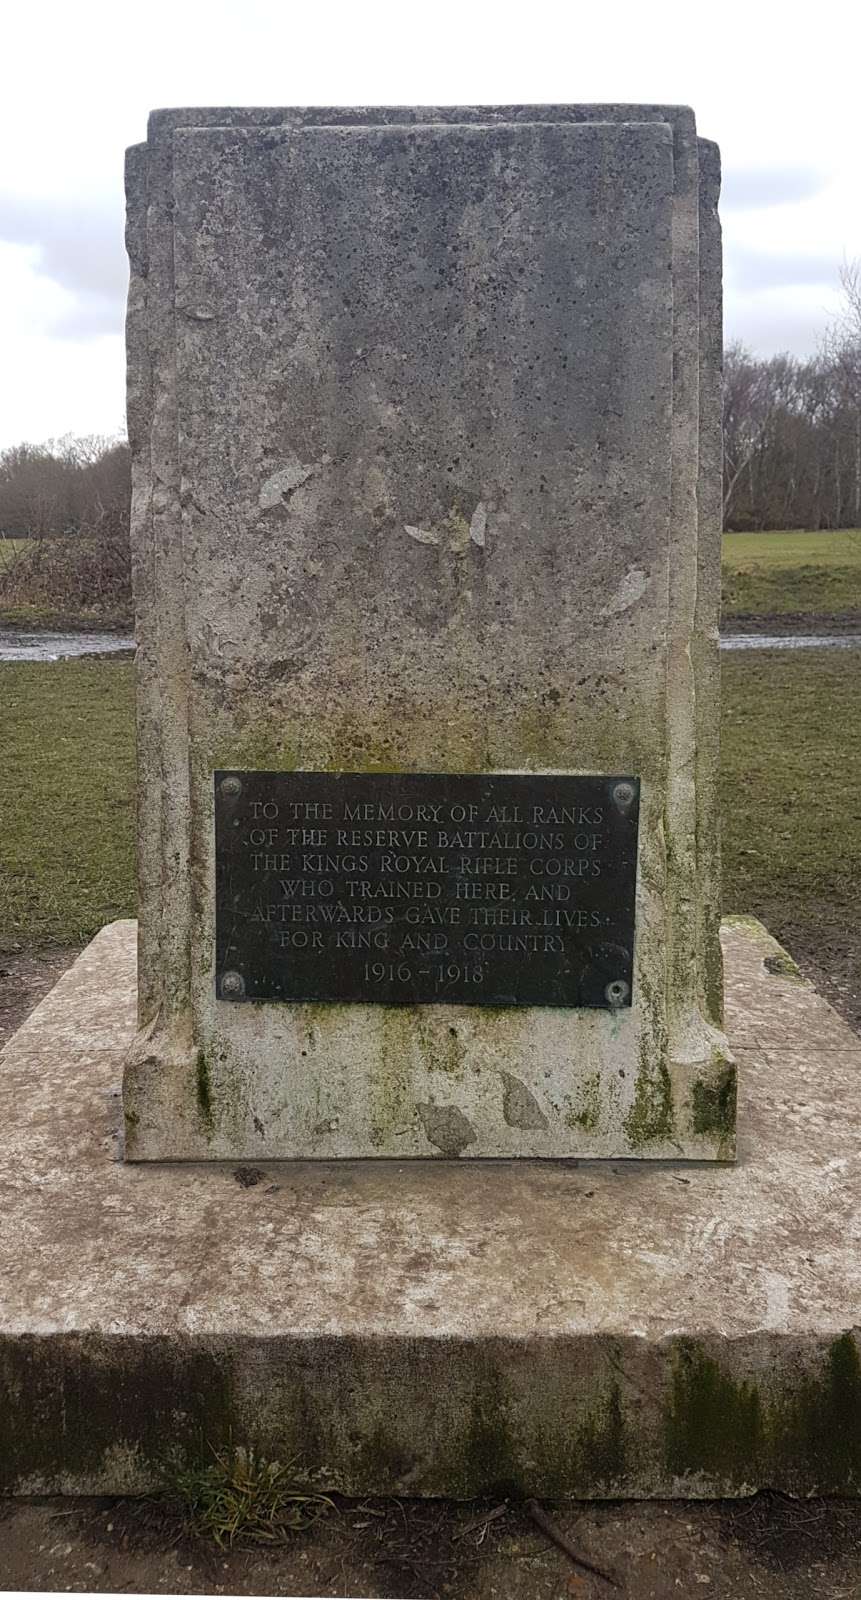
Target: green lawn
764	574
66	800
791	800
775	574
791	790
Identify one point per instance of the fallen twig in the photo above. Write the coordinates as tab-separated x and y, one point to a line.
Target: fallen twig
541	1519
480	1522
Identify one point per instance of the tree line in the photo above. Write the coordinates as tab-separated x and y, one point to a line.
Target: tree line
68	504
792	450
67	486
792	430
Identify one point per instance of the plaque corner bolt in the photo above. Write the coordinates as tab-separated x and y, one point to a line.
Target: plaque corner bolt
230	787
232	986
623	795
616	993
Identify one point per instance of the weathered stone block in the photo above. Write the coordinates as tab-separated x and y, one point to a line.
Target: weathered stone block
422	409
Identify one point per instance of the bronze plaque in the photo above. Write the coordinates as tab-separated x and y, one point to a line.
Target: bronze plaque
405	888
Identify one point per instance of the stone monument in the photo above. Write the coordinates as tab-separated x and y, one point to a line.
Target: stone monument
425	419
425	410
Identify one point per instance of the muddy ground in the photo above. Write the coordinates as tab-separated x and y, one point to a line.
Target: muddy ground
825	955
25	977
784	623
768	1547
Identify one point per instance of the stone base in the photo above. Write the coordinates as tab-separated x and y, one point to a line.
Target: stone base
430	1327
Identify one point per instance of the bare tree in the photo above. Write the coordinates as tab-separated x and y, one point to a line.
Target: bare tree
746	411
62	487
792	429
843	346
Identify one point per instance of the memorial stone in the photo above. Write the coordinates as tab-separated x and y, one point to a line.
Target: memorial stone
425	423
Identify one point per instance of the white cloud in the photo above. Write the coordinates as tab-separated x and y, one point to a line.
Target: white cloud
760	188
776	320
52	386
747	269
78	250
777	89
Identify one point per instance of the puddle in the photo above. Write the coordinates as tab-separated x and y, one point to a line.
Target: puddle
17	645
791	641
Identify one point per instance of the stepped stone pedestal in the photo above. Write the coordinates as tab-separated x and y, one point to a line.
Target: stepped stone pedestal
435	1327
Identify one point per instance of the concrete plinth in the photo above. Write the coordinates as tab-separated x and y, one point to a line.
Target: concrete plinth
429	1327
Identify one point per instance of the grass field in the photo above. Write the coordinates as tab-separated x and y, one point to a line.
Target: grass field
764	575
791	805
66	800
780	574
791	796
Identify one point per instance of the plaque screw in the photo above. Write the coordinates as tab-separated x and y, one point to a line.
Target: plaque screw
623	795
616	993
232	986
230	788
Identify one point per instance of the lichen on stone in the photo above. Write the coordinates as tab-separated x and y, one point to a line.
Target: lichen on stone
651	1117
603	1443
713	1101
782	966
714	1422
586	1111
806	1437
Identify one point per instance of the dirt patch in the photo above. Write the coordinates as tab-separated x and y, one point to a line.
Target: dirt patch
789	1534
783	624
768	1547
25	980
30	618
828	954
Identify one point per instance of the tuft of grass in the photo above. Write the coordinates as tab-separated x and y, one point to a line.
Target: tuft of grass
240	1498
67	808
11	549
777	574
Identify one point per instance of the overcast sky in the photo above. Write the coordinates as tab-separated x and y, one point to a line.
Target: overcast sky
777	85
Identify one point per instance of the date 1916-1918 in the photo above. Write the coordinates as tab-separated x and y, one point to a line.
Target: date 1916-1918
386	972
